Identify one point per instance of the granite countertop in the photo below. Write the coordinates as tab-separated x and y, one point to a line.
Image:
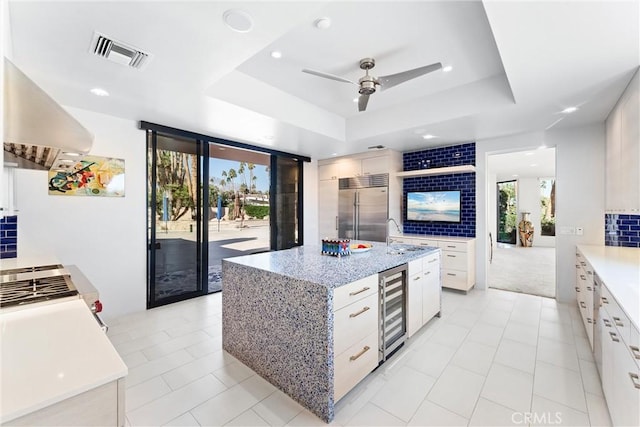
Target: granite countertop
307	263
619	270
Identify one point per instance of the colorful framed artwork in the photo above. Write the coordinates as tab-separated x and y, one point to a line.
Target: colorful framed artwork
90	176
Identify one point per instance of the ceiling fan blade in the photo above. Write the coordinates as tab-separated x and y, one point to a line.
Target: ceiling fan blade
392	80
328	76
363	100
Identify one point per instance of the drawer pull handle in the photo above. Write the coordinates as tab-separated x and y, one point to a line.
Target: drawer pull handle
589	320
577	265
451	256
582	304
424	244
614	337
358	313
583	277
416	278
635	350
584	264
360	353
617	321
577	289
606	322
605	300
427	272
589	288
450	246
589	272
451	274
366	288
433	260
634	379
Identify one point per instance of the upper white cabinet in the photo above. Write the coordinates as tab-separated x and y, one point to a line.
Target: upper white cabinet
622	176
331	170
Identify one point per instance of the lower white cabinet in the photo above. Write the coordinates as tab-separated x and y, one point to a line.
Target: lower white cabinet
424	291
355	333
584	288
620	372
458	258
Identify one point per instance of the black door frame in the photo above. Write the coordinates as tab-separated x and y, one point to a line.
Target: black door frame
498	211
202	216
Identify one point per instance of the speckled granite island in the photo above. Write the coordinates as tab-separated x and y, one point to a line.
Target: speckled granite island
281	311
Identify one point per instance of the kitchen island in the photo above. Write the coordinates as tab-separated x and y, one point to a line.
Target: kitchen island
307	322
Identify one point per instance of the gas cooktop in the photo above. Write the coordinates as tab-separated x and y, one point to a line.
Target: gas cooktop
34	284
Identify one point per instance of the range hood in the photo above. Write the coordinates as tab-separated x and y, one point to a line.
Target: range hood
36	128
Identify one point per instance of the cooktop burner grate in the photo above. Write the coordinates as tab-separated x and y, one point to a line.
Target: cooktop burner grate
36	290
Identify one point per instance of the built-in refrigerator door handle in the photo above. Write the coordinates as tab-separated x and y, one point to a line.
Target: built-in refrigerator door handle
490	248
356	215
336	222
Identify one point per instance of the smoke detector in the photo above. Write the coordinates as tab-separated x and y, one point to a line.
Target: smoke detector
119	52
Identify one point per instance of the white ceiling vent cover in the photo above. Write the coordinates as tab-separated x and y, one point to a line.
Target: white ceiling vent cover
119	52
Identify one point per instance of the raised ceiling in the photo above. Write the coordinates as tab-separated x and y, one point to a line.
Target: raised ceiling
516	65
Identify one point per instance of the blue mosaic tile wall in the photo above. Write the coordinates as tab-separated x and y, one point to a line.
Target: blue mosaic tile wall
457	155
9	237
622	230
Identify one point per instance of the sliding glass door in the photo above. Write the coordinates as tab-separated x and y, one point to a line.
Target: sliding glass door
210	199
174	230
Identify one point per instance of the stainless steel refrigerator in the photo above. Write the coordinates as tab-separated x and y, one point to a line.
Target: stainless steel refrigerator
363	207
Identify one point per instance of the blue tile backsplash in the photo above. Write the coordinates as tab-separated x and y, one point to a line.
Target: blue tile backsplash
9	237
622	230
457	155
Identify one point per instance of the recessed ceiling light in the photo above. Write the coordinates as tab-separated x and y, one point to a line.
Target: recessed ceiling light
276	54
570	110
99	91
355	99
334	154
447	69
322	23
428	136
238	20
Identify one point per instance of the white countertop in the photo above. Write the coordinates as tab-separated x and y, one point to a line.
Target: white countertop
50	353
619	270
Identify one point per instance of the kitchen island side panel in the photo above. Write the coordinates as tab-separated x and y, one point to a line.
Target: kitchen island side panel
282	329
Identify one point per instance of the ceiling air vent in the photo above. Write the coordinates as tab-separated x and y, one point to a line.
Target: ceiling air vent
119	52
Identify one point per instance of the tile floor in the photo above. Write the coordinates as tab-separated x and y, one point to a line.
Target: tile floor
494	358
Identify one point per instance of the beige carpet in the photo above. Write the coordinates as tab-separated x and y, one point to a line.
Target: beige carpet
526	270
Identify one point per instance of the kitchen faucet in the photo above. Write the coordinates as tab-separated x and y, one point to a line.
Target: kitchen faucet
397	227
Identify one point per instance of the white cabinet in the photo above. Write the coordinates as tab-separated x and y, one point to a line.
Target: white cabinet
584	288
356	166
458	258
424	291
328	208
622	169
329	171
355	333
620	363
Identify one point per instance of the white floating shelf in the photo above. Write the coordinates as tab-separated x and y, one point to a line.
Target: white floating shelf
437	171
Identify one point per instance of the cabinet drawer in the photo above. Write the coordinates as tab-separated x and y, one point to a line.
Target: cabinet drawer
402	240
352	365
354	291
431	262
453	246
454	279
618	317
354	322
454	260
426	242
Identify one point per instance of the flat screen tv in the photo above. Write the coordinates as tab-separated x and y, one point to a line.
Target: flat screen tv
433	206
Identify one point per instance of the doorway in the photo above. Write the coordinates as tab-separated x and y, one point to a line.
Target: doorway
523	189
210	199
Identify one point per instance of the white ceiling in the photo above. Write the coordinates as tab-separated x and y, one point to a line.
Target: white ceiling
535	163
516	65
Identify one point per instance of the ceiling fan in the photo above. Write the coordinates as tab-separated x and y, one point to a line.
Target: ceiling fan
368	84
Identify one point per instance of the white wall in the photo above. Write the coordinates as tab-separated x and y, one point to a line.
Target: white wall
579	194
104	236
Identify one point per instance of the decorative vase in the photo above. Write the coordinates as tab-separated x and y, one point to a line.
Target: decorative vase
525	230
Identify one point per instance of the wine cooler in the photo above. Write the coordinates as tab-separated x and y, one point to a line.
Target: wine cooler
393	309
